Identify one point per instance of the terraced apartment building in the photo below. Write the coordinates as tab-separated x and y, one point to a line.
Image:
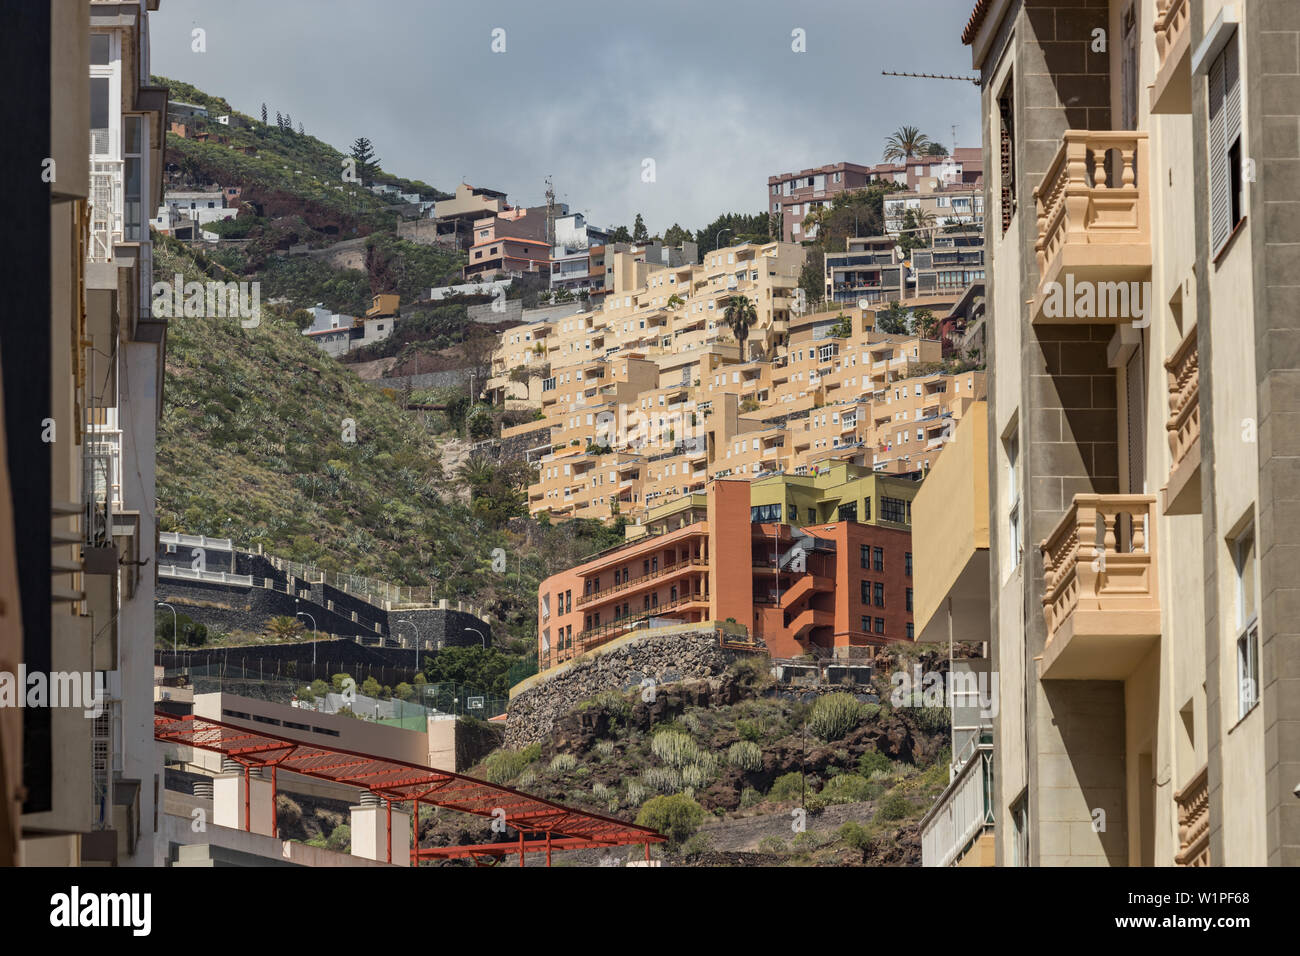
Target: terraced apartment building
647	404
1141	467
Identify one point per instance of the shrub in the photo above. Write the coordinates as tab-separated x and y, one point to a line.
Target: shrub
695	776
526	779
600	791
895	807
749	730
636	793
562	763
674	748
676	816
789	786
931	720
834	715
856	837
696	845
663	779
502	766
340	840
873	761
749	797
849	788
771	844
605	748
745	755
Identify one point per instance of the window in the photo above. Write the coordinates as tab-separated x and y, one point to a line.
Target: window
866	592
1243	555
1226	189
878	558
764	513
1012	445
893	509
866	557
812	515
847	512
880	625
911	631
907	564
1007	155
879	591
866	624
909	599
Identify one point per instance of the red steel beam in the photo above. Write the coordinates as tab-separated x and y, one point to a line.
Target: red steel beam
453	791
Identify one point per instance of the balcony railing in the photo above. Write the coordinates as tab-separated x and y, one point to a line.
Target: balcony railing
1100	594
106	215
1171	92
632	583
1182	493
1093	225
1193	803
963	812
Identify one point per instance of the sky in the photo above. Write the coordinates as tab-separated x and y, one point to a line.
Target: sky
585	91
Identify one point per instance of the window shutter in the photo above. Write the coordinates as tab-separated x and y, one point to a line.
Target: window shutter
1218	158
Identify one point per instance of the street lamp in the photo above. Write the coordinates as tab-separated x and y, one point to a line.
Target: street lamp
480	634
173	610
313	631
718	244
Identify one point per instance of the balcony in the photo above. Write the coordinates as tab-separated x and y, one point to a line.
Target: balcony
1172	90
961	821
1181	494
1100	597
1193	803
1094	231
106	209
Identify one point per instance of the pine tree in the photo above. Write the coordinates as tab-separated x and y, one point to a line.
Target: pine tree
364	154
288	122
279	120
263	114
639	231
301	131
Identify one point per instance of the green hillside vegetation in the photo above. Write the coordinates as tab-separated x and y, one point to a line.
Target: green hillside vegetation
251	447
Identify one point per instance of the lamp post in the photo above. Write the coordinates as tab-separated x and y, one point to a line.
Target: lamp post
173	610
480	634
313	631
718	244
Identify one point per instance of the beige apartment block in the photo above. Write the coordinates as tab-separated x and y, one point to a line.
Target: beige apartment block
1143	386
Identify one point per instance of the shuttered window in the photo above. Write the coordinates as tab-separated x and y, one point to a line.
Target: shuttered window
1226	199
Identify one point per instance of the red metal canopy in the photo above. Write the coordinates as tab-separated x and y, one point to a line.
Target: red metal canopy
398	781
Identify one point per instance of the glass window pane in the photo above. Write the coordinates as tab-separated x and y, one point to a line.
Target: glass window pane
99	49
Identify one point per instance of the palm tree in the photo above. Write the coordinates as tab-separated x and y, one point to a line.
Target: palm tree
740	316
477	472
283	627
907	143
925	222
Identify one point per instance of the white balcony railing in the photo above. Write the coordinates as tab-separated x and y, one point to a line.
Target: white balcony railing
963	810
106	215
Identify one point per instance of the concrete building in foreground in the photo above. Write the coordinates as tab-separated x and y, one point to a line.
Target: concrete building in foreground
1143	387
82	396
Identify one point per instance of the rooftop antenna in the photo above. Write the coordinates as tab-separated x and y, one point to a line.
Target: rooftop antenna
550	212
933	76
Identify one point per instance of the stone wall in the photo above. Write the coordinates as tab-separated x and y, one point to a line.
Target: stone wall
666	658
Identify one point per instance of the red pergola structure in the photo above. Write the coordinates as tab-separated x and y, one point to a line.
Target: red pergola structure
551	825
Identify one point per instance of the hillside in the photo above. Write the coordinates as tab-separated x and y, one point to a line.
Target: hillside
251	447
723	764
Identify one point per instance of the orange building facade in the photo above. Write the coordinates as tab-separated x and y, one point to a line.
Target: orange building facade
837	589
